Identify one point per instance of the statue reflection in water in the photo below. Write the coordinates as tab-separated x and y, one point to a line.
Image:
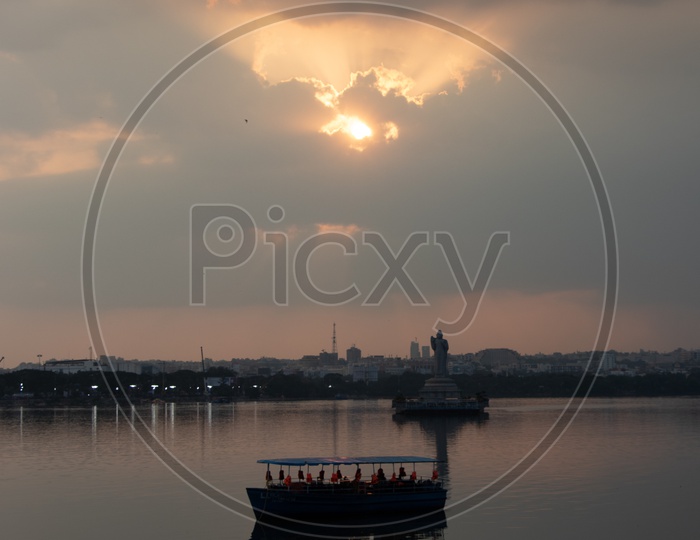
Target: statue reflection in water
442	429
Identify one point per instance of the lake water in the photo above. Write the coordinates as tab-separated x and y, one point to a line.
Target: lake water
625	468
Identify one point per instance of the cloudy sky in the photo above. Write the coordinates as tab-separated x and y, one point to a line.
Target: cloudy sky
336	159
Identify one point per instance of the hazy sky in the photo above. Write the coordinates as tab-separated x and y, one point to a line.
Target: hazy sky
376	132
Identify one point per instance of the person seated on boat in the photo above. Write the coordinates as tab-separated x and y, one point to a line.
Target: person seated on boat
380	475
334	478
435	475
340	475
281	476
358	475
309	479
321	475
414	476
300	475
393	478
268	477
375	478
402	472
288	480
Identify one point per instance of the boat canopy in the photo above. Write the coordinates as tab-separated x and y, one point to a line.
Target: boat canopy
345	460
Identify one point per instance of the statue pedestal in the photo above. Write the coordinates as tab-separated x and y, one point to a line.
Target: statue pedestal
439	389
440	396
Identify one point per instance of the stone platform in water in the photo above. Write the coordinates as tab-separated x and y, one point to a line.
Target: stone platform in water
440	395
439	388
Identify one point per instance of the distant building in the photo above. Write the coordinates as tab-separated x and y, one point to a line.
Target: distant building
415	350
328	357
212	382
128	367
623	372
309	363
29	365
568	367
609	361
332	370
425	351
462	369
71	366
424	367
353	355
365	373
497	358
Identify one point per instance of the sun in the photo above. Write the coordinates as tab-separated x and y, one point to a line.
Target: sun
350	125
359	133
358	129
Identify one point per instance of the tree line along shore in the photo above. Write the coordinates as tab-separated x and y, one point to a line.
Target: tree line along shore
38	388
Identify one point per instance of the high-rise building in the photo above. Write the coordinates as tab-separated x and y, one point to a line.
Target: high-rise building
328	357
353	355
425	349
609	361
415	350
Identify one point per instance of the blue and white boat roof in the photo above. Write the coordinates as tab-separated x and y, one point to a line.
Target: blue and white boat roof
346	460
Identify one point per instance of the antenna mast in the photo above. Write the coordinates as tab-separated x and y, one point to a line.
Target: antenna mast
204	372
334	350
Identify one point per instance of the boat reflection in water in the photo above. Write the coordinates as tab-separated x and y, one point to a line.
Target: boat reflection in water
430	526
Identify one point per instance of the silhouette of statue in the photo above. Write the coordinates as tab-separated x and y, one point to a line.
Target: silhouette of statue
440	346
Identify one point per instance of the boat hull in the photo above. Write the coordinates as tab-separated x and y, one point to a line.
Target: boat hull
396	526
300	500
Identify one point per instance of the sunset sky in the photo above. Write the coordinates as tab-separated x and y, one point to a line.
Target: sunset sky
374	129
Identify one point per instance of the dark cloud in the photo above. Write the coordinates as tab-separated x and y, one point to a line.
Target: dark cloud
487	159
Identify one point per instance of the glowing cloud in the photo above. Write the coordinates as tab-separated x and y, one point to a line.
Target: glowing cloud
334	227
391	131
349	125
416	63
359	131
55	152
324	92
388	81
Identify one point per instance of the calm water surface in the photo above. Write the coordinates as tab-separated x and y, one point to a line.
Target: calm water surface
626	468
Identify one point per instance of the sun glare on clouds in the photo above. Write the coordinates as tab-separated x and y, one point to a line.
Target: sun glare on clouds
326	55
351	126
359	129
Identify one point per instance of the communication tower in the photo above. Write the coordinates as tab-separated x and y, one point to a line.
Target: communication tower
334	350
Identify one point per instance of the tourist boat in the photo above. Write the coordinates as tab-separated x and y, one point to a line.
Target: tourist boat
314	487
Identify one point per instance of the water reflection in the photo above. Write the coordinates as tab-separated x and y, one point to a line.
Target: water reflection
93	427
430	526
442	430
609	476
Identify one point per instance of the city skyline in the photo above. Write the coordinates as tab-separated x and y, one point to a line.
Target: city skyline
356	354
377	160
